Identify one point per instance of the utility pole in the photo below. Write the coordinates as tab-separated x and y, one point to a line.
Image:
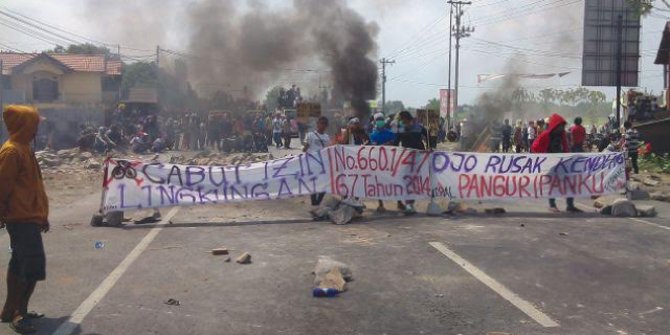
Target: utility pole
449	97
158	54
2	88
384	61
619	55
461	32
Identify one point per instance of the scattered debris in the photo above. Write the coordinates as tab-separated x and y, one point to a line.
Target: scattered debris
172	302
93	165
227	260
97	220
114	218
651	182
604	201
563	234
331	273
498	333
660	196
340	212
495	211
439	295
220	251
457	207
318	292
638	194
245	258
99	244
646	210
522	225
334	280
620	208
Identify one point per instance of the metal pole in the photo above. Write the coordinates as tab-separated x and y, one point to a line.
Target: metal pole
618	69
384	86
384	61
2	88
158	53
451	14
458	46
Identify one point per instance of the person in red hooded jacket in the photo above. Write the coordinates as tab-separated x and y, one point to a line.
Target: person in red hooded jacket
555	140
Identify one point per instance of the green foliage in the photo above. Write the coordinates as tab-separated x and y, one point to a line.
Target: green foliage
272	98
395	107
87	49
433	104
655	163
140	74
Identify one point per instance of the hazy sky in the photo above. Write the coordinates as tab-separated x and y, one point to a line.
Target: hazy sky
414	33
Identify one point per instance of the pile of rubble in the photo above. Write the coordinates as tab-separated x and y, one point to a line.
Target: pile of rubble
74	158
220	159
649	187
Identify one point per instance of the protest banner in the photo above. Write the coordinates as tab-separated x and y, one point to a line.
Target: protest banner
306	110
369	172
497	176
132	185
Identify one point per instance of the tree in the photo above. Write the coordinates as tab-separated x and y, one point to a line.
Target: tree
86	48
140	74
433	104
395	107
644	7
547	95
272	98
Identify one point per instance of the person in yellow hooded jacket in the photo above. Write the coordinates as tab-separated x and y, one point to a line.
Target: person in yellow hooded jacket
24	211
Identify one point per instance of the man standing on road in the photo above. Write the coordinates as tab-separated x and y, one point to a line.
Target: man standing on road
532	134
577	136
277	124
24	211
506	136
554	140
632	144
412	137
316	140
381	135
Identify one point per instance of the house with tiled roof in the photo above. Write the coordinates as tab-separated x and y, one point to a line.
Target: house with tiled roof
59	79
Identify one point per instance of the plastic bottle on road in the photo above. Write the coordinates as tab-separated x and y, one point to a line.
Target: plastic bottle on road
324	292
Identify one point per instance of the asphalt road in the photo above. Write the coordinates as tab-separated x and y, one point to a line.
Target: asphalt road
516	273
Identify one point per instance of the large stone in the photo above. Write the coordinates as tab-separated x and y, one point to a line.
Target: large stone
651	182
660	196
335	280
92	164
646	210
342	215
623	208
326	265
114	218
84	156
604	201
245	258
638	194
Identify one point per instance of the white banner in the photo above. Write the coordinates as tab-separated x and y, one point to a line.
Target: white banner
370	172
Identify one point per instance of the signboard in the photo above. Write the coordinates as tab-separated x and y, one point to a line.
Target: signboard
599	62
446	104
432	116
308	109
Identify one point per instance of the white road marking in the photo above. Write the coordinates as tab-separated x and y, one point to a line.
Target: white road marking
513	298
650	223
637	220
71	325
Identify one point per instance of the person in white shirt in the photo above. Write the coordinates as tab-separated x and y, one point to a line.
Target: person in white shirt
316	140
532	134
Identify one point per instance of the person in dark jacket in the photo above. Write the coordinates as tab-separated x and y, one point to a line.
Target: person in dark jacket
414	136
555	140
